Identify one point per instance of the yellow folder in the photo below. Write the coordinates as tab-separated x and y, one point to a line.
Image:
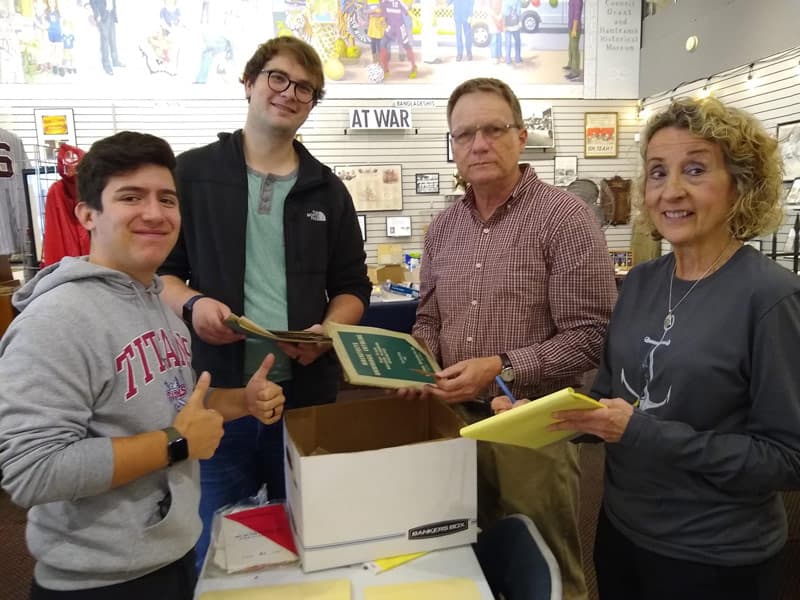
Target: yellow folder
335	589
441	589
526	425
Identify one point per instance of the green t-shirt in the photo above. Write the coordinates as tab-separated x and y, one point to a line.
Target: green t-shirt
265	269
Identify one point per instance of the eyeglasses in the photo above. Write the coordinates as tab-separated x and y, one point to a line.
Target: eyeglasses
490	131
278	81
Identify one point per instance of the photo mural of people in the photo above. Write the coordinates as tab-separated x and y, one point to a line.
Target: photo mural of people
373	42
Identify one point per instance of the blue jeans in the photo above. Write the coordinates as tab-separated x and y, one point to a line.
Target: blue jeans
496	45
249	455
463	38
517	46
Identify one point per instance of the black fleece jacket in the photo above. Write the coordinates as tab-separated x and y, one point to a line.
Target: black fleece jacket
324	253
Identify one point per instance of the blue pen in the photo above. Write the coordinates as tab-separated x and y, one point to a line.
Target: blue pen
504	388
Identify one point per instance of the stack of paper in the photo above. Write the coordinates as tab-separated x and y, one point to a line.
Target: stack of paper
441	589
336	589
254	538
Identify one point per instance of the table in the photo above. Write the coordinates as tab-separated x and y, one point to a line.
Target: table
439	564
396	315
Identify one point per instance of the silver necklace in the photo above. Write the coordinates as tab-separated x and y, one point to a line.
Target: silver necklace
669	319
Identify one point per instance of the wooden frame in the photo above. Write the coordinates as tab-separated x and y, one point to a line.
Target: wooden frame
600	135
373	187
788	135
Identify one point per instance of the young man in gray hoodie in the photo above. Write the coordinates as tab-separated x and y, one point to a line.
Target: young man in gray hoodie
101	424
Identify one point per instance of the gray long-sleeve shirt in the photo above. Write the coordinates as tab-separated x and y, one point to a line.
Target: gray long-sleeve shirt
716	435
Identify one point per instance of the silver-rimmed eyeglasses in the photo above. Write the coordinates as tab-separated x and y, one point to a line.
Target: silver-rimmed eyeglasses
491	131
278	81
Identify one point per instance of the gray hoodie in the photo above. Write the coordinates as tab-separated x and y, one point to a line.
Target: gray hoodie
94	355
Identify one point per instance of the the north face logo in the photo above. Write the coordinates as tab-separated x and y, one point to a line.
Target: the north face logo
317	215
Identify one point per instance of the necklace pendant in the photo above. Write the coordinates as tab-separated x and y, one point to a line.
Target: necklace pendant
669	321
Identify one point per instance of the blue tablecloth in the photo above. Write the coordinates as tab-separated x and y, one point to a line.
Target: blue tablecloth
395	316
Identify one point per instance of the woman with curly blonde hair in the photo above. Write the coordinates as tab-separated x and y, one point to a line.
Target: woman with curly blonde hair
698	379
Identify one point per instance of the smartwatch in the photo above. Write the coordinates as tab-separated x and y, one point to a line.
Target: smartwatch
188	306
507	371
177	446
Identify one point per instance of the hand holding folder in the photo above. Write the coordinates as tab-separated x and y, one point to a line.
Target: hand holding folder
526	425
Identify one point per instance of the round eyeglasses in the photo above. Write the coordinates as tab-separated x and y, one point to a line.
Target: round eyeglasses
278	81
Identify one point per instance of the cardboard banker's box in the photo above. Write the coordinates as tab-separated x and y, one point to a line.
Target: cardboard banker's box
378	477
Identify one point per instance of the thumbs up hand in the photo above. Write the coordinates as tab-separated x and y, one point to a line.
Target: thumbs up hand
201	427
264	398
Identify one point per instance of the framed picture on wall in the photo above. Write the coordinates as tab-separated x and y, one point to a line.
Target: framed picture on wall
566	170
600	135
398	226
788	135
449	143
427	183
54	126
793	196
373	187
362	223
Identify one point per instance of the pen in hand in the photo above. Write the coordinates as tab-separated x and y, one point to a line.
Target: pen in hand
504	389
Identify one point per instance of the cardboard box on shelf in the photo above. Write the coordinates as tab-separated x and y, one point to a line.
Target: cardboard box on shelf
394	273
5	268
7	289
378	477
390	254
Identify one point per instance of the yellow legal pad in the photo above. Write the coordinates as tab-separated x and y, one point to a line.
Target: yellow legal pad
335	589
442	589
526	425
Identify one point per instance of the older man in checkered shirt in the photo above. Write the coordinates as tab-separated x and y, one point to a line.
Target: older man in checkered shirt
515	281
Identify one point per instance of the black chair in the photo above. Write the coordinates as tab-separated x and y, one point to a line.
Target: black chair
517	562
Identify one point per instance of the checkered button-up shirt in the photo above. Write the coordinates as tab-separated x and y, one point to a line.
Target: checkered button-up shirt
535	281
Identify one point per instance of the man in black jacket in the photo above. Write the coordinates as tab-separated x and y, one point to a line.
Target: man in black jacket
270	232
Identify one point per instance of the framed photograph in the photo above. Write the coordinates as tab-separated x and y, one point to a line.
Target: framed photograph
566	170
362	223
373	187
600	135
449	143
788	135
398	226
427	183
538	121
54	126
793	197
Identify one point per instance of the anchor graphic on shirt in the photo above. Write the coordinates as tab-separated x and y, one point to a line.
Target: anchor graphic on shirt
644	402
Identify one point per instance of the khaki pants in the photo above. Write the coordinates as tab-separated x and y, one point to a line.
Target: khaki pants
542	484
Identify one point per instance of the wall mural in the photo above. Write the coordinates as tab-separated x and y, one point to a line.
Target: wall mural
360	41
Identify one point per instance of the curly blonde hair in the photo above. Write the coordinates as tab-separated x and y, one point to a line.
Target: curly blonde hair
751	157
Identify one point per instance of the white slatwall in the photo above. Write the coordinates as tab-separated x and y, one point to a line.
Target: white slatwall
189	122
773	100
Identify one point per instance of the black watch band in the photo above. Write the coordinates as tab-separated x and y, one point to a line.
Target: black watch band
188	306
177	446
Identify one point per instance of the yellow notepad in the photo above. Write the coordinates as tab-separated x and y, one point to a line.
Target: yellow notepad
335	589
527	425
441	589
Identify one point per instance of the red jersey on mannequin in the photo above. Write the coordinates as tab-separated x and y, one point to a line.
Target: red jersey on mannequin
63	234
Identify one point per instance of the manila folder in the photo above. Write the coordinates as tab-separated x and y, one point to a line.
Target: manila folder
526	425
